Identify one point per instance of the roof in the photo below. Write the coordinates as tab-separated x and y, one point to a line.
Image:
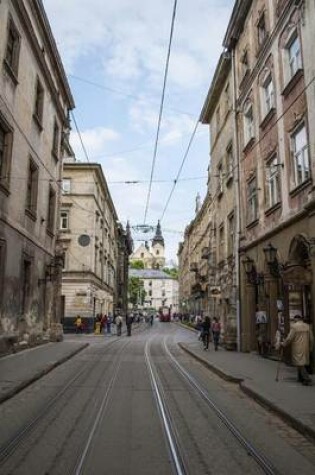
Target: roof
149	274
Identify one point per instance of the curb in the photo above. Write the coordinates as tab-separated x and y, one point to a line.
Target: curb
24	384
215	369
263	401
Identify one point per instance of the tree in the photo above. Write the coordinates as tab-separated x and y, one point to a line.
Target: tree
136	291
137	264
171	271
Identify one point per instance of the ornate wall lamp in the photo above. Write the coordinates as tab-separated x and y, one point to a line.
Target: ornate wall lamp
253	277
275	267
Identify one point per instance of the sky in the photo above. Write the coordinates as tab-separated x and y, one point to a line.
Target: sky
114	54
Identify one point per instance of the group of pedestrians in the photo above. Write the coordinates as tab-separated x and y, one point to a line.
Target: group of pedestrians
206	328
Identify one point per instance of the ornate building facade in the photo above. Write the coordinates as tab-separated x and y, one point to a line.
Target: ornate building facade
35	100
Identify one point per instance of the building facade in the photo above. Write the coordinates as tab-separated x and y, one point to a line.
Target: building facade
93	244
270	46
154	257
161	290
35	100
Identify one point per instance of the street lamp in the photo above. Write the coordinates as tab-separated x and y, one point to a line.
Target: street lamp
271	258
253	277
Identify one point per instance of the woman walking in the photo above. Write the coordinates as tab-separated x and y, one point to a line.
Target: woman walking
206	324
216	329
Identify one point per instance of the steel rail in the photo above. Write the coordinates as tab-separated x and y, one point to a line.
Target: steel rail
178	463
99	415
8	448
259	458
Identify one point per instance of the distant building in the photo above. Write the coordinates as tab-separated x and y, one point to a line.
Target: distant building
153	258
95	245
161	289
35	100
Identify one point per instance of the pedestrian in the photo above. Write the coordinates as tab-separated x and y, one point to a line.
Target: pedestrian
119	324
108	324
78	324
129	320
301	340
103	322
205	329
216	330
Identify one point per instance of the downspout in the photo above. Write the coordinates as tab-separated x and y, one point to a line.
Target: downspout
236	177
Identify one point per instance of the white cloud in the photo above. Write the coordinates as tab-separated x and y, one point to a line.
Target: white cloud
95	141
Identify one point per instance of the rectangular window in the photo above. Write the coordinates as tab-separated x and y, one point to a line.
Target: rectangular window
244	63
230	234
248	123
13	48
39	102
32	188
301	164
6	139
56	134
217	119
252	201
268	95
294	56
26	284
66	186
51	210
273	182
64	220
221	242
220	179
229	161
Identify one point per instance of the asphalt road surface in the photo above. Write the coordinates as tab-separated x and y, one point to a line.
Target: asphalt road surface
141	406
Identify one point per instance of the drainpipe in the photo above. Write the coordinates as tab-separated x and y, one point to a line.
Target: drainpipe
237	198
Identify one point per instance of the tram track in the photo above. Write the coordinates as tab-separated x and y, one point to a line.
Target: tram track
49	413
159	386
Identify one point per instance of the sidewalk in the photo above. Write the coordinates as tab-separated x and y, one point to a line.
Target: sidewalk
19	370
256	376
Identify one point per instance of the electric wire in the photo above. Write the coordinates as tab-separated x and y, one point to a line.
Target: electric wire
161	110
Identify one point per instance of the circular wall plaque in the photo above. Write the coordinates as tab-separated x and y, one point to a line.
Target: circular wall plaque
84	240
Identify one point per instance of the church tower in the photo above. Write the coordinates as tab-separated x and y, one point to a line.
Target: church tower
158	248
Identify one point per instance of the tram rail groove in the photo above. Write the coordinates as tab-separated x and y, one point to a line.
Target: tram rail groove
251	450
165	417
8	448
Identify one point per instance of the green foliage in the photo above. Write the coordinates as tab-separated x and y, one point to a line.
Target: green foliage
136	292
171	271
137	265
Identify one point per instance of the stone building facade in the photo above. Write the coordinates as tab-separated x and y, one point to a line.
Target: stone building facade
154	257
93	243
270	46
35	100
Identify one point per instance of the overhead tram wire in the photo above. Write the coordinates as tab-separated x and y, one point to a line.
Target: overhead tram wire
180	169
161	111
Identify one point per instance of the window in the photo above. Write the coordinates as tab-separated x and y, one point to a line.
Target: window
227	97
157	252
230	234
248	123
244	63
301	165
142	255
217	119
221	242
252	201
273	182
32	188
66	186
39	103
64	260
51	210
13	48
6	139
64	220
268	91
261	29
55	146
220	179
26	284
294	56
